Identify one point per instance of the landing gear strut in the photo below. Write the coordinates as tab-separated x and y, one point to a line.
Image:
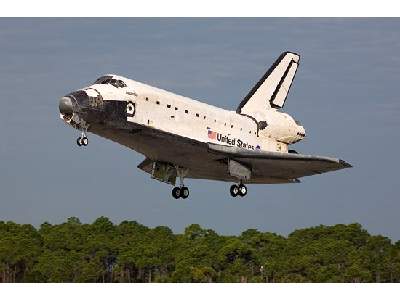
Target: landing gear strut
80	124
238	190
180	191
82	140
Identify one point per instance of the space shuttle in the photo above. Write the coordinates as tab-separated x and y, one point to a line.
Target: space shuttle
181	138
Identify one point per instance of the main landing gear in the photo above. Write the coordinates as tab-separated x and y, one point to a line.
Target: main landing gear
180	191
82	140
238	190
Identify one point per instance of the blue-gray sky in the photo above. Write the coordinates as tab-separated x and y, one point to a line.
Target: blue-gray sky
345	93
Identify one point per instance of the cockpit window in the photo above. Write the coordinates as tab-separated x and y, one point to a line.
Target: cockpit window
118	83
109	80
102	79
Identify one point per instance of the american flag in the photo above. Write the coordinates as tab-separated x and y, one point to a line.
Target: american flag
211	134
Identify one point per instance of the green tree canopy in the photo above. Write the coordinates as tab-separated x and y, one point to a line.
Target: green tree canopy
131	252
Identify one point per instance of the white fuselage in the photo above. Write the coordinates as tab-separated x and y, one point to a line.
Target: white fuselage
168	112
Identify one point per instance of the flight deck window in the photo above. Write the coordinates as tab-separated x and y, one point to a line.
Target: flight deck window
121	83
197	115
117	83
168	105
109	80
102	79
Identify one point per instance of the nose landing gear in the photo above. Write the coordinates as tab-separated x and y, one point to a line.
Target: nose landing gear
82	140
238	190
79	123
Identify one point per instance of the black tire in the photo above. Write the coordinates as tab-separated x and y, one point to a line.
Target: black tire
79	141
242	190
176	192
184	192
234	190
85	141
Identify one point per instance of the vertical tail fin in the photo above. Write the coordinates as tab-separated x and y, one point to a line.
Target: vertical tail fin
272	89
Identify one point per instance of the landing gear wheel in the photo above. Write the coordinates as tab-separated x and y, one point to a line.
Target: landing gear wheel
242	190
79	141
180	192
184	192
84	141
234	190
176	192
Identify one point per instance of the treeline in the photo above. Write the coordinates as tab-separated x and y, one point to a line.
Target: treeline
131	252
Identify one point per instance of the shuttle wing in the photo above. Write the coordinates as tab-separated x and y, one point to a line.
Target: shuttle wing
210	161
288	166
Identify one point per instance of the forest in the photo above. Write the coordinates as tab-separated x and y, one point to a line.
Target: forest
131	252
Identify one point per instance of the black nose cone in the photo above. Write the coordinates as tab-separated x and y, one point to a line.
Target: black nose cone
65	106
